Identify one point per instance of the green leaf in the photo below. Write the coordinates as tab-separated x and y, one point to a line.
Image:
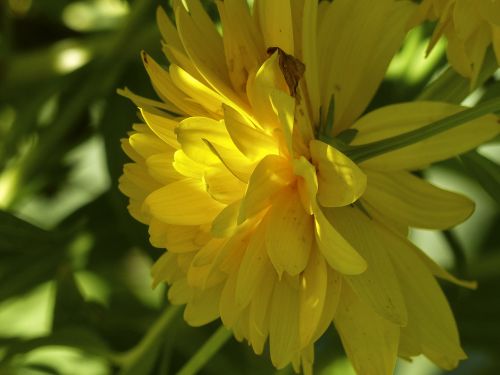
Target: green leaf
77	338
19	236
70	308
370	150
486	172
19	274
23	246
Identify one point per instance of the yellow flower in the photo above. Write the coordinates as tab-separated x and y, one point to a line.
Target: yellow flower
267	226
470	27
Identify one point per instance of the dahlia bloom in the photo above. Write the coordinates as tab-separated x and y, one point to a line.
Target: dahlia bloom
268	226
470	27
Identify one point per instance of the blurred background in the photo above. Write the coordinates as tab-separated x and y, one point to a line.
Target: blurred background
75	287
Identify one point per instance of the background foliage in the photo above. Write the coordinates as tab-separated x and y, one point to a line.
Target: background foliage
75	294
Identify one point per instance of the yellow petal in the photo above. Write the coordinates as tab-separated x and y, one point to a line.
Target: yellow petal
164	269
135	208
181	238
184	202
233	160
167	91
339	254
440	272
129	151
162	126
192	132
203	307
307	184
370	341
307	360
284	322
415	202
289	234
252	142
379	214
161	168
226	223
229	310
201	273
353	64
222	185
490	9
194	17
196	90
148	104
136	183
310	55
147	144
378	286
313	292
205	48
457	55
179	57
430	320
259	88
271	175
276	24
180	292
332	298
340	181
167	29
173	48
232	253
464	17
157	233
397	119
259	313
187	166
496	42
284	106
243	43
254	266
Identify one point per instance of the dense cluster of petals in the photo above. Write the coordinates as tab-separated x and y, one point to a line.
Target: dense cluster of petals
268	226
470	27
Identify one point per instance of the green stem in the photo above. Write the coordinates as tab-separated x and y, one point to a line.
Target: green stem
370	150
150	343
206	352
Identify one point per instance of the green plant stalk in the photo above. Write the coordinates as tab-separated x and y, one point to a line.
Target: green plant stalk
370	150
150	341
206	352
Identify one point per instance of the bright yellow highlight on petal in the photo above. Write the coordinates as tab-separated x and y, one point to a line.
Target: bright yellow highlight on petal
268	227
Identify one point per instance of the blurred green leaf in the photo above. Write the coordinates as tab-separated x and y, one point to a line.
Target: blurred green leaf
486	172
29	255
77	338
19	236
70	307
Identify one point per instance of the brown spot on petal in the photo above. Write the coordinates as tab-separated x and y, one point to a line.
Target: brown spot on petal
292	68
